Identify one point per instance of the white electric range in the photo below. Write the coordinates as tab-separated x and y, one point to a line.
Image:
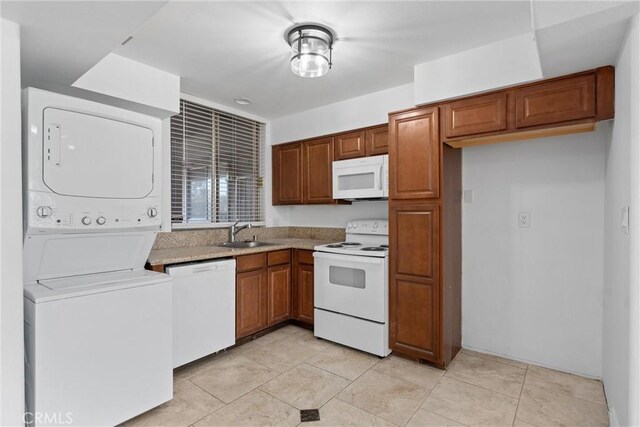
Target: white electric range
351	288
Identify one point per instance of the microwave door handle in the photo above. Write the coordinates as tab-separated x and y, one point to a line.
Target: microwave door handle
380	177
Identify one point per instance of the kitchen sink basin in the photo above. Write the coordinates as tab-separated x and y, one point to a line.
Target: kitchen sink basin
250	244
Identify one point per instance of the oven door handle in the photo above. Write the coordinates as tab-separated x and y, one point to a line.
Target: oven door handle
341	257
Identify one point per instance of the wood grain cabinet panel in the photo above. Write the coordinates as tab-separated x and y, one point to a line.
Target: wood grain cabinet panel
349	145
317	167
287	174
414	154
415	327
251	314
302	309
304	293
414	288
556	101
415	232
377	141
475	115
279	294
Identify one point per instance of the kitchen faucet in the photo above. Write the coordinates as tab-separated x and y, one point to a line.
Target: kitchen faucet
233	230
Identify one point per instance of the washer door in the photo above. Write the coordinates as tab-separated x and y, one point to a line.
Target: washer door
91	156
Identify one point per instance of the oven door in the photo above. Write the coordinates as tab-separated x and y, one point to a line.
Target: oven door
352	285
361	178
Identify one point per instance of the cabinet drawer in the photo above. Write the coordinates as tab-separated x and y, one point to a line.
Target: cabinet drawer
556	101
250	262
305	257
279	257
476	115
349	145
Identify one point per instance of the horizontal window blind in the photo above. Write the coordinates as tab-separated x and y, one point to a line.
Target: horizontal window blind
216	167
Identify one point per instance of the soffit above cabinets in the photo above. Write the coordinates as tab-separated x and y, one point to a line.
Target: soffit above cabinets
223	50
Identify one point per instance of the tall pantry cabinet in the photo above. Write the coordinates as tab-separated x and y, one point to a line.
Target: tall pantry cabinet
425	178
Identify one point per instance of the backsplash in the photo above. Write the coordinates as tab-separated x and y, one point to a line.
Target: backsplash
205	237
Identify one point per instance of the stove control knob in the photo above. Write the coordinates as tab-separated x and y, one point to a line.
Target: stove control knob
152	212
375	225
101	220
355	225
85	220
44	211
349	225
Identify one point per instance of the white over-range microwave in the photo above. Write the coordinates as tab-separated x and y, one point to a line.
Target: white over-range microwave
362	178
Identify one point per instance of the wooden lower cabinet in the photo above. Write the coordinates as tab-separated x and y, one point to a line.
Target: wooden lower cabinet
303	287
279	294
263	291
251	294
414	297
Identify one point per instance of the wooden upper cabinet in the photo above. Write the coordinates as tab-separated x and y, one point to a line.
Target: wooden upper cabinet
287	174
349	145
317	166
556	101
472	116
414	154
376	141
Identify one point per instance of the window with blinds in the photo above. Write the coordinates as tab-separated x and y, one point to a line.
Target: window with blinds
216	167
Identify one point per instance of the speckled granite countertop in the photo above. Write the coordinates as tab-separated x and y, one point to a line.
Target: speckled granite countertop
198	253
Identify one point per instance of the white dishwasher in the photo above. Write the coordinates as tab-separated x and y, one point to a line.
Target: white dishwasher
204	309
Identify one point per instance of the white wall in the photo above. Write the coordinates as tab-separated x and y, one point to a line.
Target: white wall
11	338
535	294
622	187
368	110
124	78
503	63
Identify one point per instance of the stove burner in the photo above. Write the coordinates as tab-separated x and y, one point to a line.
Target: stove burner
373	249
384	246
335	245
351	244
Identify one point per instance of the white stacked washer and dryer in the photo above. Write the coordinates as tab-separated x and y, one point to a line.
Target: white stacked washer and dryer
97	325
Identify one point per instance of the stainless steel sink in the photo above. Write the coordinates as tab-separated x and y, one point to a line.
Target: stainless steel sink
235	245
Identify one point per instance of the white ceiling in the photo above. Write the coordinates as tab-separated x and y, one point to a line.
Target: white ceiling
229	49
60	40
226	50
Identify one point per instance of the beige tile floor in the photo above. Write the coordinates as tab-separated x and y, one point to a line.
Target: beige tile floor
267	381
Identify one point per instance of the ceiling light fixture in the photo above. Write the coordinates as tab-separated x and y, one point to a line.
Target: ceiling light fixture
311	49
242	101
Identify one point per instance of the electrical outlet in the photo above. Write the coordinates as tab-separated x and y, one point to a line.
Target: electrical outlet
524	219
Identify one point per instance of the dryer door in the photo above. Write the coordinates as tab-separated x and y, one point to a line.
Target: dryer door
91	156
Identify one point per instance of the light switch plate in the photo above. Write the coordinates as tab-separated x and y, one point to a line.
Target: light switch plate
467	196
524	219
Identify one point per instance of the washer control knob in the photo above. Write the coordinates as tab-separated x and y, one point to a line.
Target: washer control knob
152	212
44	211
85	220
101	220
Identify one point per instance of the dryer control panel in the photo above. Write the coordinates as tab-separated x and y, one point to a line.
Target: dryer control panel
46	215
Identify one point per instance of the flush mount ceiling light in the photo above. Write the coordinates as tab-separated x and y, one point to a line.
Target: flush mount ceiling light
311	49
242	101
